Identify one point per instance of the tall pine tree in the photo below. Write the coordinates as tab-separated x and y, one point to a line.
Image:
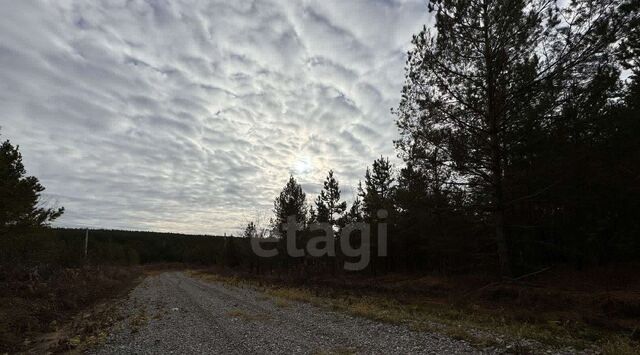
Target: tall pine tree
290	202
493	72
328	205
21	208
377	193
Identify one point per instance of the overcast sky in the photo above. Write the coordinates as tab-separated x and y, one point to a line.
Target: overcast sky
188	116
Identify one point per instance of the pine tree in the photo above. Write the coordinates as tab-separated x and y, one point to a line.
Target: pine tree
377	193
328	205
313	215
629	49
250	231
354	214
290	202
493	71
20	204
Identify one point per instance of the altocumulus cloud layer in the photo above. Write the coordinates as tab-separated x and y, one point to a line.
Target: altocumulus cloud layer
188	116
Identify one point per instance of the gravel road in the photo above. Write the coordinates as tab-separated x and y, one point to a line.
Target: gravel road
175	313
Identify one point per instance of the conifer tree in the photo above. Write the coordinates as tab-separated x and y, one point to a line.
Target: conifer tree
290	202
328	205
491	73
377	192
21	207
250	231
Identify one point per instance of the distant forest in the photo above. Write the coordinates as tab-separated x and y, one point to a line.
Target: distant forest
519	128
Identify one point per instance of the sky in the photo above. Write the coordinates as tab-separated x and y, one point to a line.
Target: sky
189	116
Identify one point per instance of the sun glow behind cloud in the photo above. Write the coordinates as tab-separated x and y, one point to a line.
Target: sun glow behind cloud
303	166
188	116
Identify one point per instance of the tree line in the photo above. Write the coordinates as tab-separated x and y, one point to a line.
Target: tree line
519	125
518	135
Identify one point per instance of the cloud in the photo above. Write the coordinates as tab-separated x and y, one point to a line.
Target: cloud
188	116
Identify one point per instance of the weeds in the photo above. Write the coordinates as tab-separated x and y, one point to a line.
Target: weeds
280	303
37	300
619	346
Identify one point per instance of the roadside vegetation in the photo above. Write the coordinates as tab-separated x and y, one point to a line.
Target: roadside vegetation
545	312
45	280
43	300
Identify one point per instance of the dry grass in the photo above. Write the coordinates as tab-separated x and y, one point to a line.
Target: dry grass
35	302
85	330
619	346
214	277
138	321
280	303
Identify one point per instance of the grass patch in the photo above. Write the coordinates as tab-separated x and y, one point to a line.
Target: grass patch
41	300
619	346
213	277
84	331
280	303
138	321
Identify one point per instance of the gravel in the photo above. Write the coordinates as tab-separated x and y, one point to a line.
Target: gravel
172	313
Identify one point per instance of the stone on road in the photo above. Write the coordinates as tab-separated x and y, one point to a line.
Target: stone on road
175	313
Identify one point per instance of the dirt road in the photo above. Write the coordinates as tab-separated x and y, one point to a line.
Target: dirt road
175	313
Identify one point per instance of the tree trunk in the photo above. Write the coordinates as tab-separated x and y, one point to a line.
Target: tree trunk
504	258
495	116
498	202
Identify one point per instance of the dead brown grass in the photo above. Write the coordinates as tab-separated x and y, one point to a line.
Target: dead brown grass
41	300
